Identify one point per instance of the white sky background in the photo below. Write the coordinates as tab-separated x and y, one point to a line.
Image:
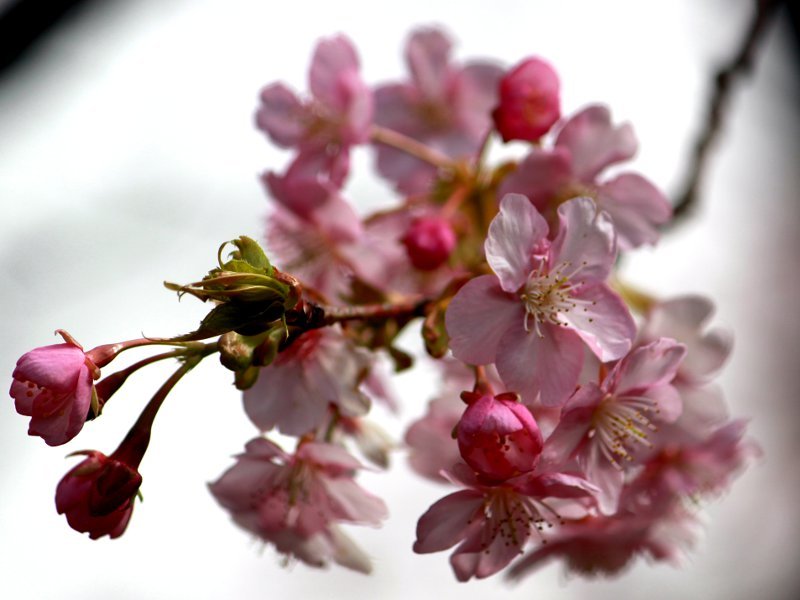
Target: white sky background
127	154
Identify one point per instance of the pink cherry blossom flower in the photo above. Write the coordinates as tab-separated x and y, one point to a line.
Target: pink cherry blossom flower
543	301
337	115
294	501
53	385
494	523
684	467
320	368
97	495
601	425
685	319
529	101
586	145
605	545
497	436
445	106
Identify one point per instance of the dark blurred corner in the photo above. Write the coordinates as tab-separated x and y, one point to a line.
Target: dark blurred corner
24	22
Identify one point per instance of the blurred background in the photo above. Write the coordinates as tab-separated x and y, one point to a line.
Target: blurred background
128	153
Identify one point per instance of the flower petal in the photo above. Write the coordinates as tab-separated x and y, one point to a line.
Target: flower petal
540	176
513	235
478	316
574	424
637	207
538	368
282	116
428	57
648	366
333	57
585	248
594	142
447	521
603	321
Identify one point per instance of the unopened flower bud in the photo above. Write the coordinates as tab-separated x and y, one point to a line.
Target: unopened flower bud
54	386
97	495
529	101
498	436
429	242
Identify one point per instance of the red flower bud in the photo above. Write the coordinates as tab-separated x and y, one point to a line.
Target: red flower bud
97	495
429	242
498	437
529	101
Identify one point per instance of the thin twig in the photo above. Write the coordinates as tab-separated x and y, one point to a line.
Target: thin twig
725	80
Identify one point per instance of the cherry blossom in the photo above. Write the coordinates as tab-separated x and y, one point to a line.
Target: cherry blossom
587	144
493	524
336	116
295	501
321	368
445	105
543	301
602	424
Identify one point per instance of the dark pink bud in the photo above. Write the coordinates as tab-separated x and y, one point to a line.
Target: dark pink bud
498	437
53	385
429	242
97	495
529	101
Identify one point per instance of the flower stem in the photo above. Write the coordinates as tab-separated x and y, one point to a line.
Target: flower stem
411	146
132	449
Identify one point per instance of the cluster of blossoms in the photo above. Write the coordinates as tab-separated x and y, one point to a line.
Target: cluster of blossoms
568	426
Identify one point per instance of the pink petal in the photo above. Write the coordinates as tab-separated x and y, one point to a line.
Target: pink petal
409	174
476	95
282	116
574	424
358	108
540	176
684	319
283	398
637	207
478	317
606	477
395	107
355	504
648	366
603	321
329	455
473	559
447	521
264	449
53	367
346	553
81	402
594	142
234	490
333	57
558	485
428	57
513	235
585	247
543	368
668	402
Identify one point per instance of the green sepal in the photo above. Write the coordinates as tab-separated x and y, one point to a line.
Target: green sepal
246	378
250	253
